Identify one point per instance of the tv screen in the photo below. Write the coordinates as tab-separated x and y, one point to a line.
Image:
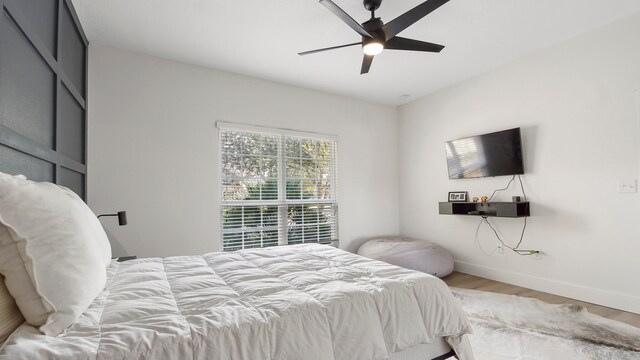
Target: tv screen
493	154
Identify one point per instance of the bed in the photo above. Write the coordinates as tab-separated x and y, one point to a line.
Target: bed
291	302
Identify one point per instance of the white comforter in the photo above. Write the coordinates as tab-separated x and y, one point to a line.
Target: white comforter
293	302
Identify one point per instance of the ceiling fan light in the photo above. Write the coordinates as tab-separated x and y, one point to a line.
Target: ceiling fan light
373	48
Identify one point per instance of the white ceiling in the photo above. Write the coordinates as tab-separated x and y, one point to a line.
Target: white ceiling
261	38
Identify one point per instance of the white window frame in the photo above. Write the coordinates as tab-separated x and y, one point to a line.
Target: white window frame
282	202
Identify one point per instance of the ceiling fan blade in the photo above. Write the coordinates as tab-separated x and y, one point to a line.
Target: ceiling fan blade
345	17
366	64
400	43
395	26
325	49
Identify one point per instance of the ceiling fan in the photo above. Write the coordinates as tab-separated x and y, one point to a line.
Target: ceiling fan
377	35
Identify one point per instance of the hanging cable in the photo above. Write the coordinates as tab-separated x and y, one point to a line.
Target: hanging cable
478	240
524	227
505	188
516	249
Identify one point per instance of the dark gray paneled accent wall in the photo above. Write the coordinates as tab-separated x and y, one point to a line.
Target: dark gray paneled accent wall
43	85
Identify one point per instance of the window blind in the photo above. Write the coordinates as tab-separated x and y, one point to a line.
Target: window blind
277	188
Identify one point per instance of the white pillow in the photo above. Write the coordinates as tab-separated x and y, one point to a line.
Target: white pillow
54	253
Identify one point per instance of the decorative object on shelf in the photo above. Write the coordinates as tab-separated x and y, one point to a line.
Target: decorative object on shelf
484	199
475	199
458	196
516	198
122	217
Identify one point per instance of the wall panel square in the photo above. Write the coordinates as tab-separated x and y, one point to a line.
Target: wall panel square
43	17
72	51
71	126
72	180
27	86
17	163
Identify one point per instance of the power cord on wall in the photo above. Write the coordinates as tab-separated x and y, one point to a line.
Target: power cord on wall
505	188
478	240
515	249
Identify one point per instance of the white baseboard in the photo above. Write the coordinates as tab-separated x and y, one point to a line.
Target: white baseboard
611	299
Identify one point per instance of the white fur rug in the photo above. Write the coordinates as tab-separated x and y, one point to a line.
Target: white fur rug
509	327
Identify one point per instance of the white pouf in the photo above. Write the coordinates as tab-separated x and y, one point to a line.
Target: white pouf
418	255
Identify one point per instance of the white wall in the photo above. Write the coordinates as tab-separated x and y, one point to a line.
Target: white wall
577	104
153	149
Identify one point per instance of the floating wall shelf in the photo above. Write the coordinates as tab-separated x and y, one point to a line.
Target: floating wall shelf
496	209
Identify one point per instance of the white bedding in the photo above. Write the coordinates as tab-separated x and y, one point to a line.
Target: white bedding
291	302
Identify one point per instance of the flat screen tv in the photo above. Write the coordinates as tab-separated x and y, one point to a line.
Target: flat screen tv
493	154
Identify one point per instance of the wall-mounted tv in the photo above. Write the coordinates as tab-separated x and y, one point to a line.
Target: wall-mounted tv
493	154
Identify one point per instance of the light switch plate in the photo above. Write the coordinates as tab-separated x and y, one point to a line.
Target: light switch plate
627	185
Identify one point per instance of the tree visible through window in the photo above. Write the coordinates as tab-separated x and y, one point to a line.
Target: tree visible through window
277	189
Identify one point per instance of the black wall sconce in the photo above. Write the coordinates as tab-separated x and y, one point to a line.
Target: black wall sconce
122	217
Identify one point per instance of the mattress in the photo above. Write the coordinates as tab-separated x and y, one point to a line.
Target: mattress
311	302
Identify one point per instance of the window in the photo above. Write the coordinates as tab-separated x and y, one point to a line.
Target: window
278	187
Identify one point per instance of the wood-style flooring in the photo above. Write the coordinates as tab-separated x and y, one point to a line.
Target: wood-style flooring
466	281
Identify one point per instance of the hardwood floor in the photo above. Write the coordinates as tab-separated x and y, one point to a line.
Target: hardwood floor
466	281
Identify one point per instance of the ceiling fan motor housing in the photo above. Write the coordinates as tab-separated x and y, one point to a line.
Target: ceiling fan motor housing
374	27
372	5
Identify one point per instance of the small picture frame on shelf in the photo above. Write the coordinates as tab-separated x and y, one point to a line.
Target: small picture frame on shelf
458	196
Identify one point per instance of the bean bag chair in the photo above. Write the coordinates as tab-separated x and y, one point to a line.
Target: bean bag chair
421	255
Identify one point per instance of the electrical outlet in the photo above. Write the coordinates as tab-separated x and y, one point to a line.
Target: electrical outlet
499	249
